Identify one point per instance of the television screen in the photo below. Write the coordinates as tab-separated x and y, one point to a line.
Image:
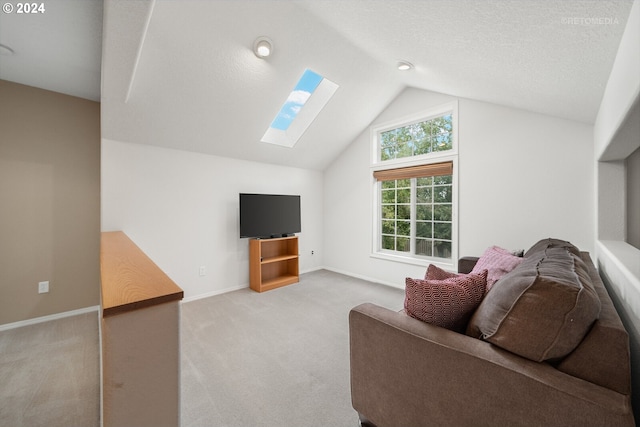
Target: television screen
269	215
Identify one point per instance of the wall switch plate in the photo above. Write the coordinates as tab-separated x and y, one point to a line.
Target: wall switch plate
203	270
43	287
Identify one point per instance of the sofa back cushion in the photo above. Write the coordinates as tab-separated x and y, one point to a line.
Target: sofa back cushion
603	356
551	242
541	310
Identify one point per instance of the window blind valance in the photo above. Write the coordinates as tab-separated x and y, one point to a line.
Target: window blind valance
420	171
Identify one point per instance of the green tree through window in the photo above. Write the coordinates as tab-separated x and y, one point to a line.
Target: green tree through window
426	137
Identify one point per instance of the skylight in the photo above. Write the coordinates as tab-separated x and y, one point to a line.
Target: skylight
304	103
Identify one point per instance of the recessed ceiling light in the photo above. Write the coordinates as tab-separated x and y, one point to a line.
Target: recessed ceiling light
404	66
263	47
6	50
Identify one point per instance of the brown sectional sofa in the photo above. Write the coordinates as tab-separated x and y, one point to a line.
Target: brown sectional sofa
544	348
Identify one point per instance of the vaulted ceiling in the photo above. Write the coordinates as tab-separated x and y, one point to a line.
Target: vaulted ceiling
181	74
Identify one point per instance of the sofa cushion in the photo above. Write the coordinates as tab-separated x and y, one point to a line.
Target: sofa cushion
542	310
445	302
552	243
589	361
498	262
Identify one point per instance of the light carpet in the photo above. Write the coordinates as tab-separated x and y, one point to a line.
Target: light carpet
274	359
50	374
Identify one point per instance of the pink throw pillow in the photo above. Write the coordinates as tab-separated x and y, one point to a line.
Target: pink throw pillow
498	262
448	303
436	273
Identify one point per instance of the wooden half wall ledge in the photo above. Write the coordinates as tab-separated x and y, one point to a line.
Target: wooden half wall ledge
130	280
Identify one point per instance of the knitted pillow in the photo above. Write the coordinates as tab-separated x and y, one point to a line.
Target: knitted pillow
498	262
448	303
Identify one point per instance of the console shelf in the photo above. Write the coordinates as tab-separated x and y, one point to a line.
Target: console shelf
273	263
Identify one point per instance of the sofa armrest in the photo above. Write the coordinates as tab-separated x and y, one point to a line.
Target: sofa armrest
466	264
405	372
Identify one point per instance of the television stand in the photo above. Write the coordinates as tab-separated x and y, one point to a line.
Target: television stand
273	263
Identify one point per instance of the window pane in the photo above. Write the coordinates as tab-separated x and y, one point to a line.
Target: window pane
424	229
423	195
443	179
388	196
388	227
389	139
388	211
403	244
442	194
403	228
442	230
442	213
404	183
421	182
442	249
442	133
404	195
404	211
388	242
423	212
388	184
443	143
423	145
405	149
417	138
423	247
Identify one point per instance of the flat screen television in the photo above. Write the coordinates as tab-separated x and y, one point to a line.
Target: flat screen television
269	215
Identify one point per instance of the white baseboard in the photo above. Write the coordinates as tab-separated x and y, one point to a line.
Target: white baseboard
311	270
359	276
49	318
214	293
233	288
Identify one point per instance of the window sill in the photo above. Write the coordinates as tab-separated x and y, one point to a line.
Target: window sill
625	256
423	262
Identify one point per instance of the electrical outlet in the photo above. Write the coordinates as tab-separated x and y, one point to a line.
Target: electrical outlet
312	252
43	287
203	270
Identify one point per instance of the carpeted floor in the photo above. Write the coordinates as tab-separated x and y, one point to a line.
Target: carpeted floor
50	374
277	359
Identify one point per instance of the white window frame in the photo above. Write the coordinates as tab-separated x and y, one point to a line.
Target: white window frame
434	157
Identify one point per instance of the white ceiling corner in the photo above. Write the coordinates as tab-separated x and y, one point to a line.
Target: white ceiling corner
57	49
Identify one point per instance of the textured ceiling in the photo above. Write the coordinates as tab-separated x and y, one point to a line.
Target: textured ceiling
196	84
57	49
181	74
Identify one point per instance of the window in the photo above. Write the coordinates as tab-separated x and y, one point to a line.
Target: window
415	188
304	103
424	137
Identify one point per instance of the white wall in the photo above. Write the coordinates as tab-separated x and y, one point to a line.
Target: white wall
181	209
616	137
522	177
633	198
